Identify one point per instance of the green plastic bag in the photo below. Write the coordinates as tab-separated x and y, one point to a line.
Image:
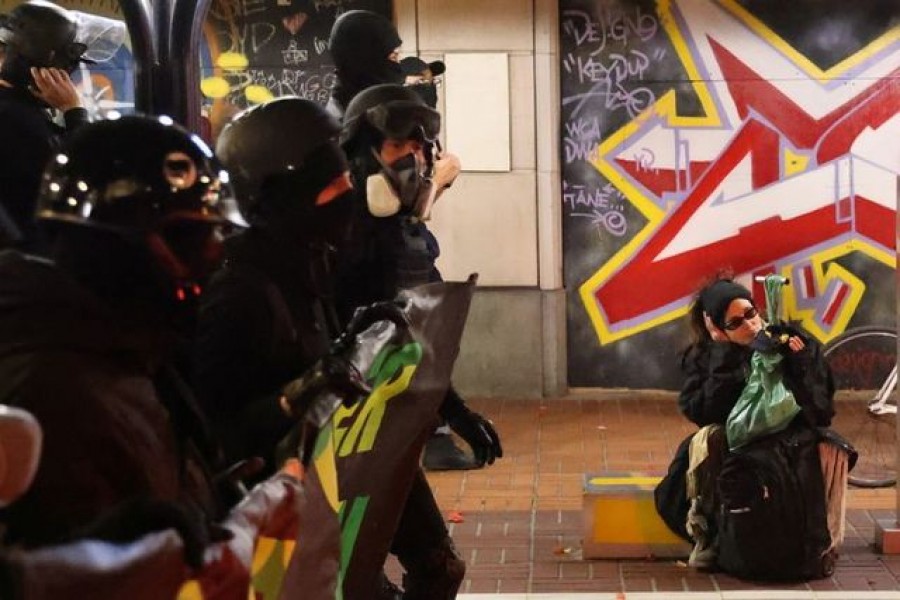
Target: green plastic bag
766	405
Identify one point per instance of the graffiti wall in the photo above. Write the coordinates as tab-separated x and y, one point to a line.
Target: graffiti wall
747	135
252	51
259	49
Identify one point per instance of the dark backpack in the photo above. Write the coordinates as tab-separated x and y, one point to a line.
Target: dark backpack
773	522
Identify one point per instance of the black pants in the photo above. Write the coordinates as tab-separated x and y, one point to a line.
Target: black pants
421	527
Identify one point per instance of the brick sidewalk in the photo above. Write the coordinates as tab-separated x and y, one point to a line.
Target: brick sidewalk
522	523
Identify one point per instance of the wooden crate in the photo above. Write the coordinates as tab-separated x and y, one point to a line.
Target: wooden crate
620	519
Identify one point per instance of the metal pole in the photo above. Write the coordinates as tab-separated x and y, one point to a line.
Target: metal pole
162	78
137	15
897	324
187	29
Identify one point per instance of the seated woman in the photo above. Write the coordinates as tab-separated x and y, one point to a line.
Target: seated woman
727	326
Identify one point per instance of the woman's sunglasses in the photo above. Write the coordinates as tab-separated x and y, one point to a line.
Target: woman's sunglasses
736	322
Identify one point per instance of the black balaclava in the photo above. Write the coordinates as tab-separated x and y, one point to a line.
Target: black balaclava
716	298
360	44
288	204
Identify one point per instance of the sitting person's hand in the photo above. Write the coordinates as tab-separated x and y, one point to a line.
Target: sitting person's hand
778	337
788	336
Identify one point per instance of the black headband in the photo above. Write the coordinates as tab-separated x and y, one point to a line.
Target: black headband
716	297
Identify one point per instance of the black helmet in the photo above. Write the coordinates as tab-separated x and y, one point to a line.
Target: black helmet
284	145
134	175
38	34
394	111
143	187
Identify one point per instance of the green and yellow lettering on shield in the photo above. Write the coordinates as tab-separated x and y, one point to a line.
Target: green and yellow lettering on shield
391	373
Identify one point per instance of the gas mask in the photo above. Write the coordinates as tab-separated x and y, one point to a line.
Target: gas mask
403	187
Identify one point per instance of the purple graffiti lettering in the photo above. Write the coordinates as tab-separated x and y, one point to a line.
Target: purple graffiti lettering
575	196
645	159
581	139
622	68
613	221
621	26
578	25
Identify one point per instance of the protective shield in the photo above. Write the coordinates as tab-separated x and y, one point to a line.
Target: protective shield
102	36
365	460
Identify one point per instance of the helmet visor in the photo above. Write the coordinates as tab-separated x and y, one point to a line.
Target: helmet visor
102	38
402	120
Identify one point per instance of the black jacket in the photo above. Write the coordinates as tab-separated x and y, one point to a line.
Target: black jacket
714	377
265	318
384	255
715	374
111	406
30	138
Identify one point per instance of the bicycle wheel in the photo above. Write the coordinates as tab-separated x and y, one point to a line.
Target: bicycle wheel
862	360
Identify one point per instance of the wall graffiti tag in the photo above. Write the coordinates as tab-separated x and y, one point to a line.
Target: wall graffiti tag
257	50
752	148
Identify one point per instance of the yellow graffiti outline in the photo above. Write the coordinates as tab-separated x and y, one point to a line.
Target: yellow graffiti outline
711	117
826	274
665	107
883	41
645	205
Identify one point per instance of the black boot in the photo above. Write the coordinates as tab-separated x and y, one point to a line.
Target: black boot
435	576
441	454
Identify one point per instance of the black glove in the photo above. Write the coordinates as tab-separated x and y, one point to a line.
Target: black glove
477	431
307	399
136	518
365	316
774	338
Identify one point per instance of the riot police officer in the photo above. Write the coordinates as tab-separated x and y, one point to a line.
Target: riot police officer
267	315
133	209
389	136
365	48
39	41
